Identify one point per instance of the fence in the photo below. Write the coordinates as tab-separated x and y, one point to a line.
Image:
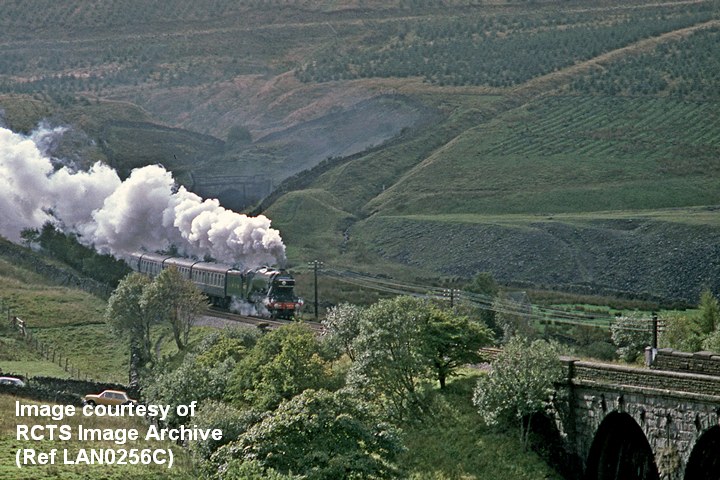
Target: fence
60	390
45	350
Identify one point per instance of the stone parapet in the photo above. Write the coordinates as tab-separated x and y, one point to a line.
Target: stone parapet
707	363
677	384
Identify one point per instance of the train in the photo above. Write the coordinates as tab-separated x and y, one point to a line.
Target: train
269	291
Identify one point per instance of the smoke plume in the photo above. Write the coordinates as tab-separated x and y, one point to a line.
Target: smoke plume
146	211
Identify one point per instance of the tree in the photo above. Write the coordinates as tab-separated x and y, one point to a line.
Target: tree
681	333
453	341
238	135
709	317
391	361
282	364
67	248
484	284
175	300
231	421
139	302
631	334
218	346
520	384
343	326
188	383
512	317
30	236
404	343
104	268
239	469
712	342
125	313
320	435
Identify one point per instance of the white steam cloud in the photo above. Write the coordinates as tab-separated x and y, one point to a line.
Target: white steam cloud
146	211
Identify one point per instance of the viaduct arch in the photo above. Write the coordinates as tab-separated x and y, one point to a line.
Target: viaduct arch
620	450
632	423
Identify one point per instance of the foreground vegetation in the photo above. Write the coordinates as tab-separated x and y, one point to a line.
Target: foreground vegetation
416	413
254	373
461	446
354	404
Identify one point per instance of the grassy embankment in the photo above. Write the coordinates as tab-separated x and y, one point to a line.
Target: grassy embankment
457	445
68	320
575	159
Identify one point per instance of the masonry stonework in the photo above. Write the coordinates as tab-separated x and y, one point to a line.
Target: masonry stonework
673	409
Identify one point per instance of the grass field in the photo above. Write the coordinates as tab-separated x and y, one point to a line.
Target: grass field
572	154
34	368
67	320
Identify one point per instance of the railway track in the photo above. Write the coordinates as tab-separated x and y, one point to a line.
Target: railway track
269	323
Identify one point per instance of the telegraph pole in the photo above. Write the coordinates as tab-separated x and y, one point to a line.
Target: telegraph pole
654	330
315	266
451	293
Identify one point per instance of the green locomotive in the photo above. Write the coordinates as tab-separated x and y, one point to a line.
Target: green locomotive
270	291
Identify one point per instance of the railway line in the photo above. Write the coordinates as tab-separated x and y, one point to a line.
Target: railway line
258	322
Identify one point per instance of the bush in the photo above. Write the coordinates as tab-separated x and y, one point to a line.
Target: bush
601	350
189	382
681	333
520	384
631	334
320	435
282	364
233	422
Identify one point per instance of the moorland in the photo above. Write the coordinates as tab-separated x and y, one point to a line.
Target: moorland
566	145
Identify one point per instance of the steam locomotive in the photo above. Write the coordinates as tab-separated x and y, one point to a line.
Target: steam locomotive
270	292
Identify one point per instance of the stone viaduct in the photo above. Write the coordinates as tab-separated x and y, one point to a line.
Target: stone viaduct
657	423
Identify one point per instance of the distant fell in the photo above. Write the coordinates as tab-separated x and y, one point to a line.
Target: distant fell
412	137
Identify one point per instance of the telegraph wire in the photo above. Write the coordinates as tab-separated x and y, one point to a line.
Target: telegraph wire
483	301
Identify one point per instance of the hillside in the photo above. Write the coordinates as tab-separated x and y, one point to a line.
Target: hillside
565	182
557	144
60	313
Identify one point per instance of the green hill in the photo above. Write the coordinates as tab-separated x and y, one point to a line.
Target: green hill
563	144
566	180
